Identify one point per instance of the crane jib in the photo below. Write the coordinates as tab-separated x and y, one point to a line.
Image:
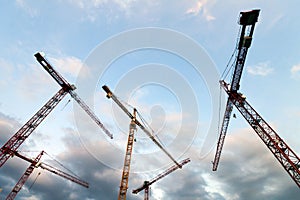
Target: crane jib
47	66
116	100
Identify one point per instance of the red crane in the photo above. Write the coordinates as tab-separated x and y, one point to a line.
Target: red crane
70	89
147	184
34	164
24	132
282	152
247	20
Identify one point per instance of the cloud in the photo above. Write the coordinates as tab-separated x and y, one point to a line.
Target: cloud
246	166
295	72
68	65
50	186
261	69
198	7
143	11
14	167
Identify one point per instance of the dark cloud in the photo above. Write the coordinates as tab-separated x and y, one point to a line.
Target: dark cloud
247	170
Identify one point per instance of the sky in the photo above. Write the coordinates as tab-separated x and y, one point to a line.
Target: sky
164	58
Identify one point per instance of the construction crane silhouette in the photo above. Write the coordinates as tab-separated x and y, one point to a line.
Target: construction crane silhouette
34	164
147	184
125	175
282	152
70	89
24	132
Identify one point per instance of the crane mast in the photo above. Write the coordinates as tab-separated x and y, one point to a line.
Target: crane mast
126	168
34	164
283	153
147	184
247	21
24	132
70	89
116	100
24	178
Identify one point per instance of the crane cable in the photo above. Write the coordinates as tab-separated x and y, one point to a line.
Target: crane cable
143	121
34	180
149	127
225	74
227	68
124	102
65	105
62	165
219	117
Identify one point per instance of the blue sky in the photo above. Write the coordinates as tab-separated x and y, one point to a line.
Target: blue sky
170	94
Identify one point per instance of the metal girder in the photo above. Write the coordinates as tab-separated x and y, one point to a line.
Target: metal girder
147	184
247	21
126	167
24	178
70	89
23	133
221	140
116	100
282	152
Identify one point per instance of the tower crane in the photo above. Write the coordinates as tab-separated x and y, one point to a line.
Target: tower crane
134	122
147	184
116	100
70	89
126	167
34	164
247	20
25	131
282	152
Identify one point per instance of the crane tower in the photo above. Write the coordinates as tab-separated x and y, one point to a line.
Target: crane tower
247	21
126	167
282	152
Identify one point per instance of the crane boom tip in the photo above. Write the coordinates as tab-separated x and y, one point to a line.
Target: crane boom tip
107	90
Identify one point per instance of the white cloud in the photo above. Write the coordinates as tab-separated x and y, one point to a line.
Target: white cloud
123	4
142	11
198	7
295	71
261	69
68	65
